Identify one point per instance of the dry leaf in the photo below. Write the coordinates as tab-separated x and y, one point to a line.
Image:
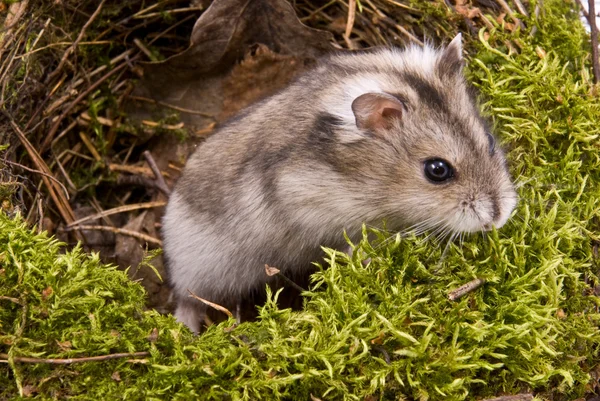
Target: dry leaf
226	32
64	345
260	74
153	337
47	292
379	339
271	271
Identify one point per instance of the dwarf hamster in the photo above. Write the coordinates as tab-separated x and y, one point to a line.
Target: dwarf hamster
378	135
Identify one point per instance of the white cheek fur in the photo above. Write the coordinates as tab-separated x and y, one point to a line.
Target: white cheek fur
480	216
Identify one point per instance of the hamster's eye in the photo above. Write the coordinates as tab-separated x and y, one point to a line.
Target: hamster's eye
438	170
492	143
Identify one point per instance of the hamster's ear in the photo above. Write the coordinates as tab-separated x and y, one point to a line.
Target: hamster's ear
450	61
375	111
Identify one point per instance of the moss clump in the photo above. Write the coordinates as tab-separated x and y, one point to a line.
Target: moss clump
66	305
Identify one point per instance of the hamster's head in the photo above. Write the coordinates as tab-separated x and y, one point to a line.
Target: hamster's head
433	158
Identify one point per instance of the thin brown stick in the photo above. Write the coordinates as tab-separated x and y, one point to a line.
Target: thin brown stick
116	230
212	304
137	180
90	146
145	10
594	38
57	196
32	170
174	11
120	209
170	106
517	397
68	361
160	181
126	168
144	49
583	10
350	23
273	271
465	289
85	118
71	49
59	44
65	174
11	299
393	23
155	124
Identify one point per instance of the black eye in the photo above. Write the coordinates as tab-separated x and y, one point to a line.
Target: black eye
438	170
492	143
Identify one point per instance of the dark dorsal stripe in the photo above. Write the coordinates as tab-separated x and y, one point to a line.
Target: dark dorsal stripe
428	94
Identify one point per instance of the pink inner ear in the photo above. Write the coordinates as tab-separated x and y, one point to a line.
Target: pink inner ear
389	113
376	111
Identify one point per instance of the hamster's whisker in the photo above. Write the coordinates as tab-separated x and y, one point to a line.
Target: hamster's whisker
518	183
420	224
521	219
420	227
448	231
374	227
415	229
450	241
442	227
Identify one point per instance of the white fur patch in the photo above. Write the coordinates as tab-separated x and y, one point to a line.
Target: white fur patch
338	100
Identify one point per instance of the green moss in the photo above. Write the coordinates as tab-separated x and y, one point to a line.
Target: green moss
386	329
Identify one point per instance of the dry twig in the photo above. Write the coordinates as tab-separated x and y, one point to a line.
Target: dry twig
465	289
517	397
591	17
24	359
350	23
160	181
122	231
120	209
212	304
273	271
57	195
171	106
31	170
582	8
11	299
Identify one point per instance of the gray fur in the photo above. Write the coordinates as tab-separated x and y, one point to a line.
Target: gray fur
292	172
